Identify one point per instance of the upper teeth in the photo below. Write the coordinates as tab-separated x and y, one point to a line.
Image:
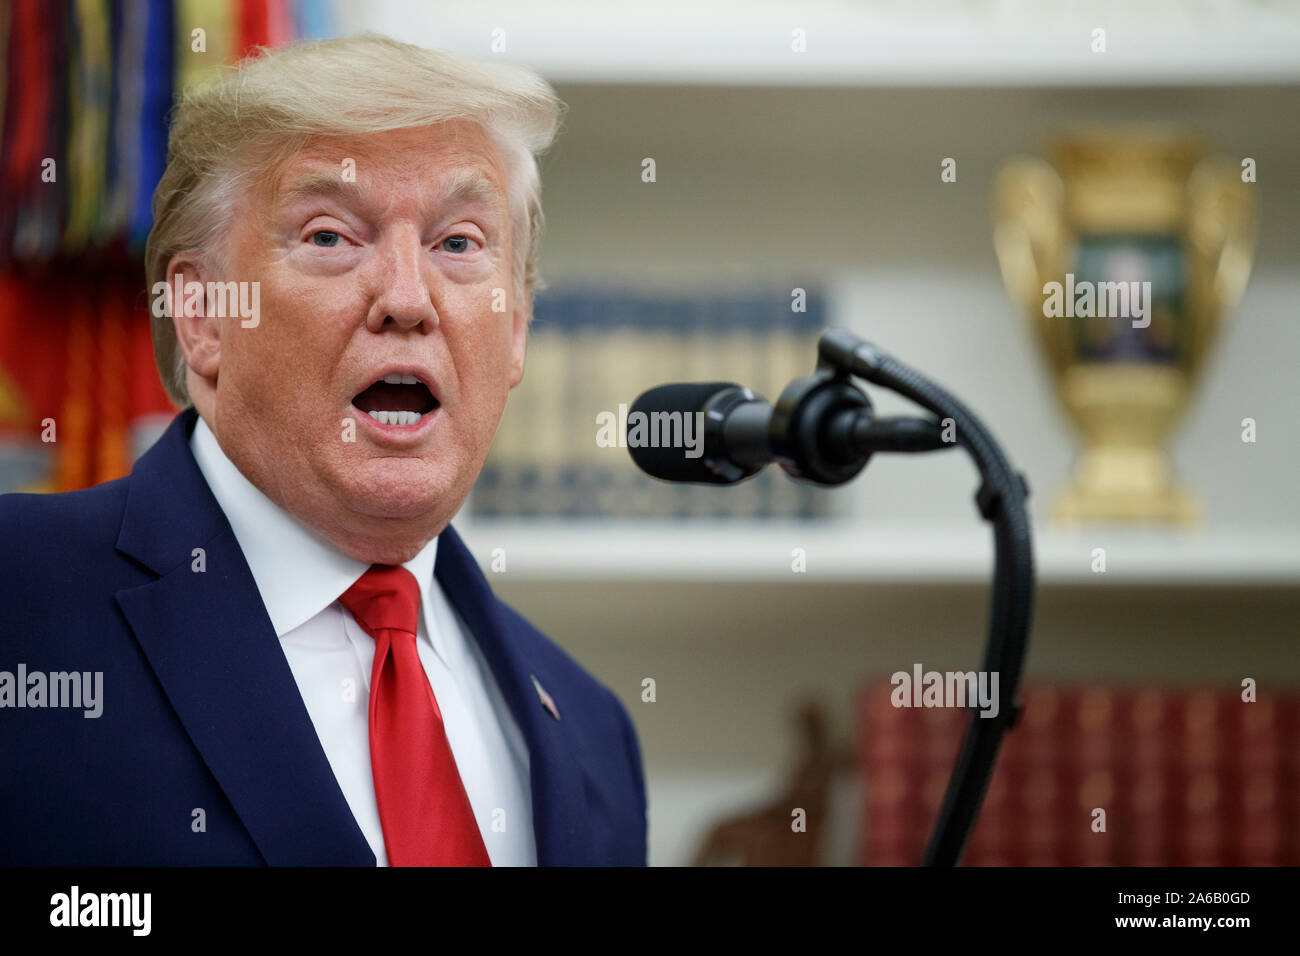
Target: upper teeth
395	378
396	418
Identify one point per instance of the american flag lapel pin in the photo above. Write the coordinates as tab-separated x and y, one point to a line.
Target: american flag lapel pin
545	698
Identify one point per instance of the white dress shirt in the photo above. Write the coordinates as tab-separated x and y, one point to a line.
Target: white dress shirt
300	577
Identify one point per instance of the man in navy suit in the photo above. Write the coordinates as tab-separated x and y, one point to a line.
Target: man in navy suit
267	645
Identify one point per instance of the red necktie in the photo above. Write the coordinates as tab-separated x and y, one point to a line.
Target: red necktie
423	807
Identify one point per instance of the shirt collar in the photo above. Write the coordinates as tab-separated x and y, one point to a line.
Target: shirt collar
297	572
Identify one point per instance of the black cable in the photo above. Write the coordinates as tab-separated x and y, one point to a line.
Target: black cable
1000	500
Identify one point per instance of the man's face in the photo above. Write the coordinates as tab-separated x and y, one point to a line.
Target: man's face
394	275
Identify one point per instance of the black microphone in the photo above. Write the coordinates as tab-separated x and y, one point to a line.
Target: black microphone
821	430
701	432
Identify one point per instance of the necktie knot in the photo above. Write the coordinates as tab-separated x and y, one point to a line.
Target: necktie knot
386	597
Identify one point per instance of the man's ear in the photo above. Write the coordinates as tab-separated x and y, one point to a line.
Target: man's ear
520	317
198	332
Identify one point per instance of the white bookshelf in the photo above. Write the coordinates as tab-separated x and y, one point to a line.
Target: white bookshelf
922	43
875	554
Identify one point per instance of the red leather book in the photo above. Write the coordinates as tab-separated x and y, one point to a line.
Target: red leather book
1095	776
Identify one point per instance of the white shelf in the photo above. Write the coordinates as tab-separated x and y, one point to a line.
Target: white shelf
699	551
923	43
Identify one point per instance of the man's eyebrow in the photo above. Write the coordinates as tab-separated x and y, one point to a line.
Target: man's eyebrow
468	185
321	186
464	186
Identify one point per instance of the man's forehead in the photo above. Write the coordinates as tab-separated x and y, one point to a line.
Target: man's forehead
455	185
442	163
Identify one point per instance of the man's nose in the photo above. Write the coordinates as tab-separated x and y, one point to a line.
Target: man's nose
401	277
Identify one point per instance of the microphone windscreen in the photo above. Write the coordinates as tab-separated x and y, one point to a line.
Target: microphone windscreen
666	438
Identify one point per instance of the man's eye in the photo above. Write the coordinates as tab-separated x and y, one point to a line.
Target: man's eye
325	238
461	241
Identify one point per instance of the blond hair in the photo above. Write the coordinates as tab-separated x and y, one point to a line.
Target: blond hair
226	135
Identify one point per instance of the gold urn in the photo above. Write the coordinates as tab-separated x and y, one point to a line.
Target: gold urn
1126	247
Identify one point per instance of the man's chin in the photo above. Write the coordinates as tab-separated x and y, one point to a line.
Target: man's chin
398	488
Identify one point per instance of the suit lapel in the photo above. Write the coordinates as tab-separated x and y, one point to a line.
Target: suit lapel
208	638
560	812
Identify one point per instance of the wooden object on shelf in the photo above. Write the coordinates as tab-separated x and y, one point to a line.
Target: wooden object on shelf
771	835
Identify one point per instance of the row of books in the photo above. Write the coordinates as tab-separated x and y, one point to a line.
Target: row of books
559	450
1094	776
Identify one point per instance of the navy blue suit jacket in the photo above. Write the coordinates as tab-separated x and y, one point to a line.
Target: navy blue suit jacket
201	710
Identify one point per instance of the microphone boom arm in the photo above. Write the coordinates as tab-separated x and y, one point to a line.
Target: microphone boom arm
822	429
1001	501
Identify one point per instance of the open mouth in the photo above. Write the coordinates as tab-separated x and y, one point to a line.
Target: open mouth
396	400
